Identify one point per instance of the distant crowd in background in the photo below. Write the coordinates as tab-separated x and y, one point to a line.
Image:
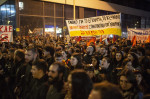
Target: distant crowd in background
37	67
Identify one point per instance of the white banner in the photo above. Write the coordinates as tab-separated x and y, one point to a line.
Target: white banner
95	26
141	34
6	33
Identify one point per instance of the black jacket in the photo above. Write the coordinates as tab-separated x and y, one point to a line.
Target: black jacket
39	89
55	91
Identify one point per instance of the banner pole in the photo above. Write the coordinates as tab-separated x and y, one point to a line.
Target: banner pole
74	9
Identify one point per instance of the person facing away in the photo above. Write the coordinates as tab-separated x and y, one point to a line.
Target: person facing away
105	90
79	85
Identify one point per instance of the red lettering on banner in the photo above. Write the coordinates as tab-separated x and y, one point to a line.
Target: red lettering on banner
101	31
4	37
1	29
5	29
10	28
82	33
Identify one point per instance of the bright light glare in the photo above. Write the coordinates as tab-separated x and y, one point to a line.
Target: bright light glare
111	36
12	11
4	9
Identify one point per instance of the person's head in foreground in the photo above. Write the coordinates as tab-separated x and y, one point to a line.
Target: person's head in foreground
80	84
105	90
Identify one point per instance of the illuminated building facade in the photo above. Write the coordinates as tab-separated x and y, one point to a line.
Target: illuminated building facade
48	16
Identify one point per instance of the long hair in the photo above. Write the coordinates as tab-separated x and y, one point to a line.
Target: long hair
122	57
143	84
21	54
79	58
98	62
131	79
81	84
135	62
117	63
145	63
125	61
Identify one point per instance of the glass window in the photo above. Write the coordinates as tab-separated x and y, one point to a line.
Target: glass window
108	12
101	12
148	22
89	12
35	24
143	22
4	14
8	11
12	9
69	12
0	16
59	10
31	7
59	26
13	20
49	9
49	26
7	14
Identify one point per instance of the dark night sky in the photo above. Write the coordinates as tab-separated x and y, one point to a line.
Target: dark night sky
138	4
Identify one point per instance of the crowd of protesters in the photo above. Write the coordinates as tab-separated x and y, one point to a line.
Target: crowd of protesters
47	68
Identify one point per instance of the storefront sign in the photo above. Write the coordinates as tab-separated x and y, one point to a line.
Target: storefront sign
94	26
17	29
6	33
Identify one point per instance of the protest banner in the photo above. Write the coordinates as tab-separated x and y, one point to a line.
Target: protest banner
95	26
6	33
141	34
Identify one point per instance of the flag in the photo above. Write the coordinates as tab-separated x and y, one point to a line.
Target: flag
78	39
30	32
134	41
114	39
92	40
148	39
101	38
106	40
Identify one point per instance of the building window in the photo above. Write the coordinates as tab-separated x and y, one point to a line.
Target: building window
69	12
59	26
49	26
35	24
49	9
101	12
89	12
32	7
59	10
